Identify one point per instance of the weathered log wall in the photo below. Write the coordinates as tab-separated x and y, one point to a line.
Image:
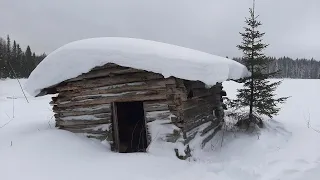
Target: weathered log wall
83	104
202	105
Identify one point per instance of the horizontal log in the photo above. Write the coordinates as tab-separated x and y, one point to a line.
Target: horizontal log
84	117
173	89
194	84
79	113
158	115
155	106
83	126
107	100
110	95
180	83
137	86
176	95
191	124
202	109
90	131
106	66
191	103
81	109
96	127
107	81
201	92
204	92
105	72
149	103
116	96
60	122
149	106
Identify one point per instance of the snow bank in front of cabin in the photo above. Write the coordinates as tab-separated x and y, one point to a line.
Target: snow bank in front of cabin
31	148
79	57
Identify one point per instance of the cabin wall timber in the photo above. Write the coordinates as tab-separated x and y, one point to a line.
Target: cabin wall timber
84	103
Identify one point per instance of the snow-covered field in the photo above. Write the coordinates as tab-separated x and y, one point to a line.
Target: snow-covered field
289	148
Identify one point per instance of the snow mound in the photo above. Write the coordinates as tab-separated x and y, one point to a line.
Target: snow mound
31	148
81	56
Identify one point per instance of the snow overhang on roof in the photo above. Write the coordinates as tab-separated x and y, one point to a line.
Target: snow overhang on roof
76	58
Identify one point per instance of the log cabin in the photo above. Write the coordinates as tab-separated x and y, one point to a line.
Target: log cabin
130	106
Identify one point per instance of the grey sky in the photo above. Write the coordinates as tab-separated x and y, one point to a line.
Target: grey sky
292	26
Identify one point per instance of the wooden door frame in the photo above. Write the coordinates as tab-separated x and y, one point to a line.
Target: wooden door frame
116	139
146	127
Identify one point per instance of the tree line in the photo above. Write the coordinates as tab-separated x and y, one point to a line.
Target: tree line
292	68
15	62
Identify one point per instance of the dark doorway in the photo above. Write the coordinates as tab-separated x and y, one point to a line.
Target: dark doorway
131	129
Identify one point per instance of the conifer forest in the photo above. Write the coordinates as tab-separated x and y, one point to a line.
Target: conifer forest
16	62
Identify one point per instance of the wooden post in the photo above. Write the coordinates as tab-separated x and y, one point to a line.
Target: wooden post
115	127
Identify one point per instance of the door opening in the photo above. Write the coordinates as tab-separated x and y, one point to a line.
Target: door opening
131	127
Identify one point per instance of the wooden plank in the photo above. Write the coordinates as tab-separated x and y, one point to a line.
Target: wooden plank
74	123
199	110
100	82
155	106
157	115
201	92
203	109
107	100
176	95
188	126
190	103
79	113
106	66
180	83
87	126
83	117
86	109
90	131
204	92
110	95
115	127
136	86
105	72
150	103
193	84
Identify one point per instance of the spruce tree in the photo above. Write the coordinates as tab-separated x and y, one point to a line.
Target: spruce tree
2	56
8	46
20	65
28	61
258	93
14	50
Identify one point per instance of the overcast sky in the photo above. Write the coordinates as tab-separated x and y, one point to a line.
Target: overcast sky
292	26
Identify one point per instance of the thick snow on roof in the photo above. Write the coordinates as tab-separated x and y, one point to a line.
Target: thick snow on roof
79	57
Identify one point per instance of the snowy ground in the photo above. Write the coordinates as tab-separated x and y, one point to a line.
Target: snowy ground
32	149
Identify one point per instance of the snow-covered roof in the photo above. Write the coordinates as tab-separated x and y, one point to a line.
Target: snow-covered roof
81	56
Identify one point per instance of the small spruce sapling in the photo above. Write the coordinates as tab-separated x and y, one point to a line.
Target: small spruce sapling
258	93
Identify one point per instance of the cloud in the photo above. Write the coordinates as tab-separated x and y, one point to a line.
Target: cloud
209	25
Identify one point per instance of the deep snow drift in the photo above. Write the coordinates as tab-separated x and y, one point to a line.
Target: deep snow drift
79	57
32	149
